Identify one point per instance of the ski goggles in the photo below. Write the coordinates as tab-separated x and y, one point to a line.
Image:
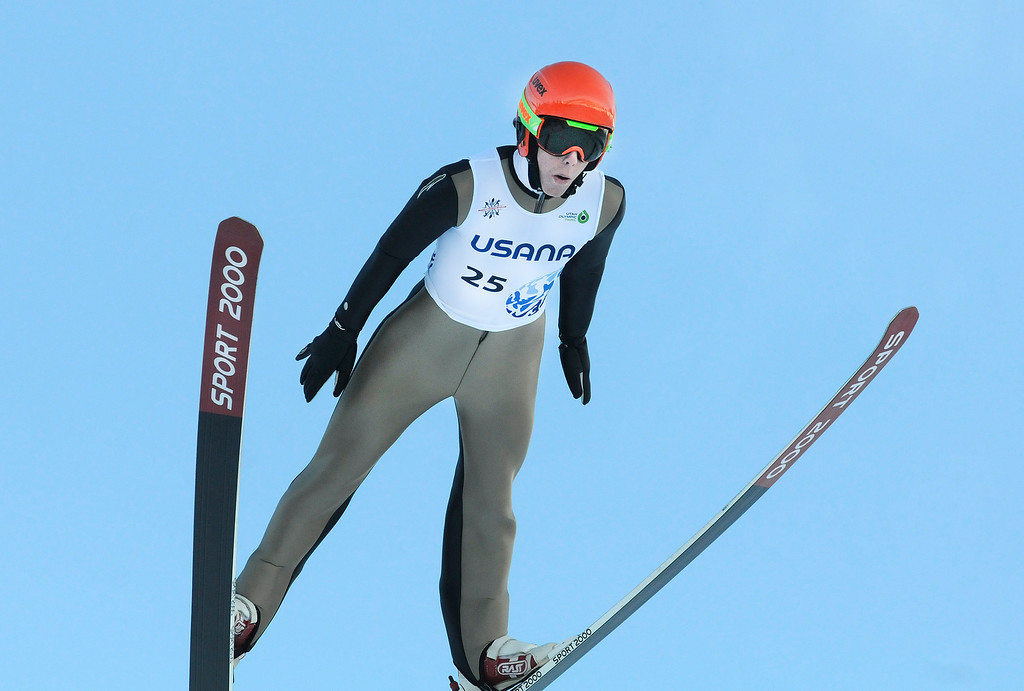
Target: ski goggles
559	136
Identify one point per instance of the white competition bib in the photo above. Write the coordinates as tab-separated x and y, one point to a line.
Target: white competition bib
494	272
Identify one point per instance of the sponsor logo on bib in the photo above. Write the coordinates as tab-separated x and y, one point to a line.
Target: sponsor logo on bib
529	300
506	248
581	217
492	208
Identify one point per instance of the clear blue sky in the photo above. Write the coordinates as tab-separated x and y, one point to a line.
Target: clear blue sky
795	176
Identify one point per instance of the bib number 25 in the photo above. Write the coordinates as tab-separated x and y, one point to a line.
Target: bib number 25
494	284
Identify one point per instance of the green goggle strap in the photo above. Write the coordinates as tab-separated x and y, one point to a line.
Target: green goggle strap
529	118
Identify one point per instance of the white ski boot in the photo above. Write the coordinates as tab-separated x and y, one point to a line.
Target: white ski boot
243	625
506	663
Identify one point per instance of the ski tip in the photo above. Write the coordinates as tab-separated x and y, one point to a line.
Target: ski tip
238	225
906	318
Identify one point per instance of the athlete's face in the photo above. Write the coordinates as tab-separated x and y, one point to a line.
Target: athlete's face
558	172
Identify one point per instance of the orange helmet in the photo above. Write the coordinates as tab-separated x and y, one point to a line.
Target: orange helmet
572	92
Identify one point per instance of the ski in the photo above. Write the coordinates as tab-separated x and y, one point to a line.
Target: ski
236	259
895	336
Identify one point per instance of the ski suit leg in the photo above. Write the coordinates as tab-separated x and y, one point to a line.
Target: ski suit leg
416	359
495	404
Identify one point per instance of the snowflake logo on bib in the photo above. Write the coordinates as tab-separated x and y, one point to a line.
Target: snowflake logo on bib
492	208
529	300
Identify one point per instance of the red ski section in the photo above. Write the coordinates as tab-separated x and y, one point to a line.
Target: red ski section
895	336
236	257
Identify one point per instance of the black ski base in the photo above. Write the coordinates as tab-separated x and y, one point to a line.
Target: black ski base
213	554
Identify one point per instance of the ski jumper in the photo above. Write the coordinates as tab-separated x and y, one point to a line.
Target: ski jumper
472	331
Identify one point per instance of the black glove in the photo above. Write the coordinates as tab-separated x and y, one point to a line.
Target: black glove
576	365
332	351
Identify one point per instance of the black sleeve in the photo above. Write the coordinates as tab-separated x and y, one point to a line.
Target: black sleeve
429	213
580	280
